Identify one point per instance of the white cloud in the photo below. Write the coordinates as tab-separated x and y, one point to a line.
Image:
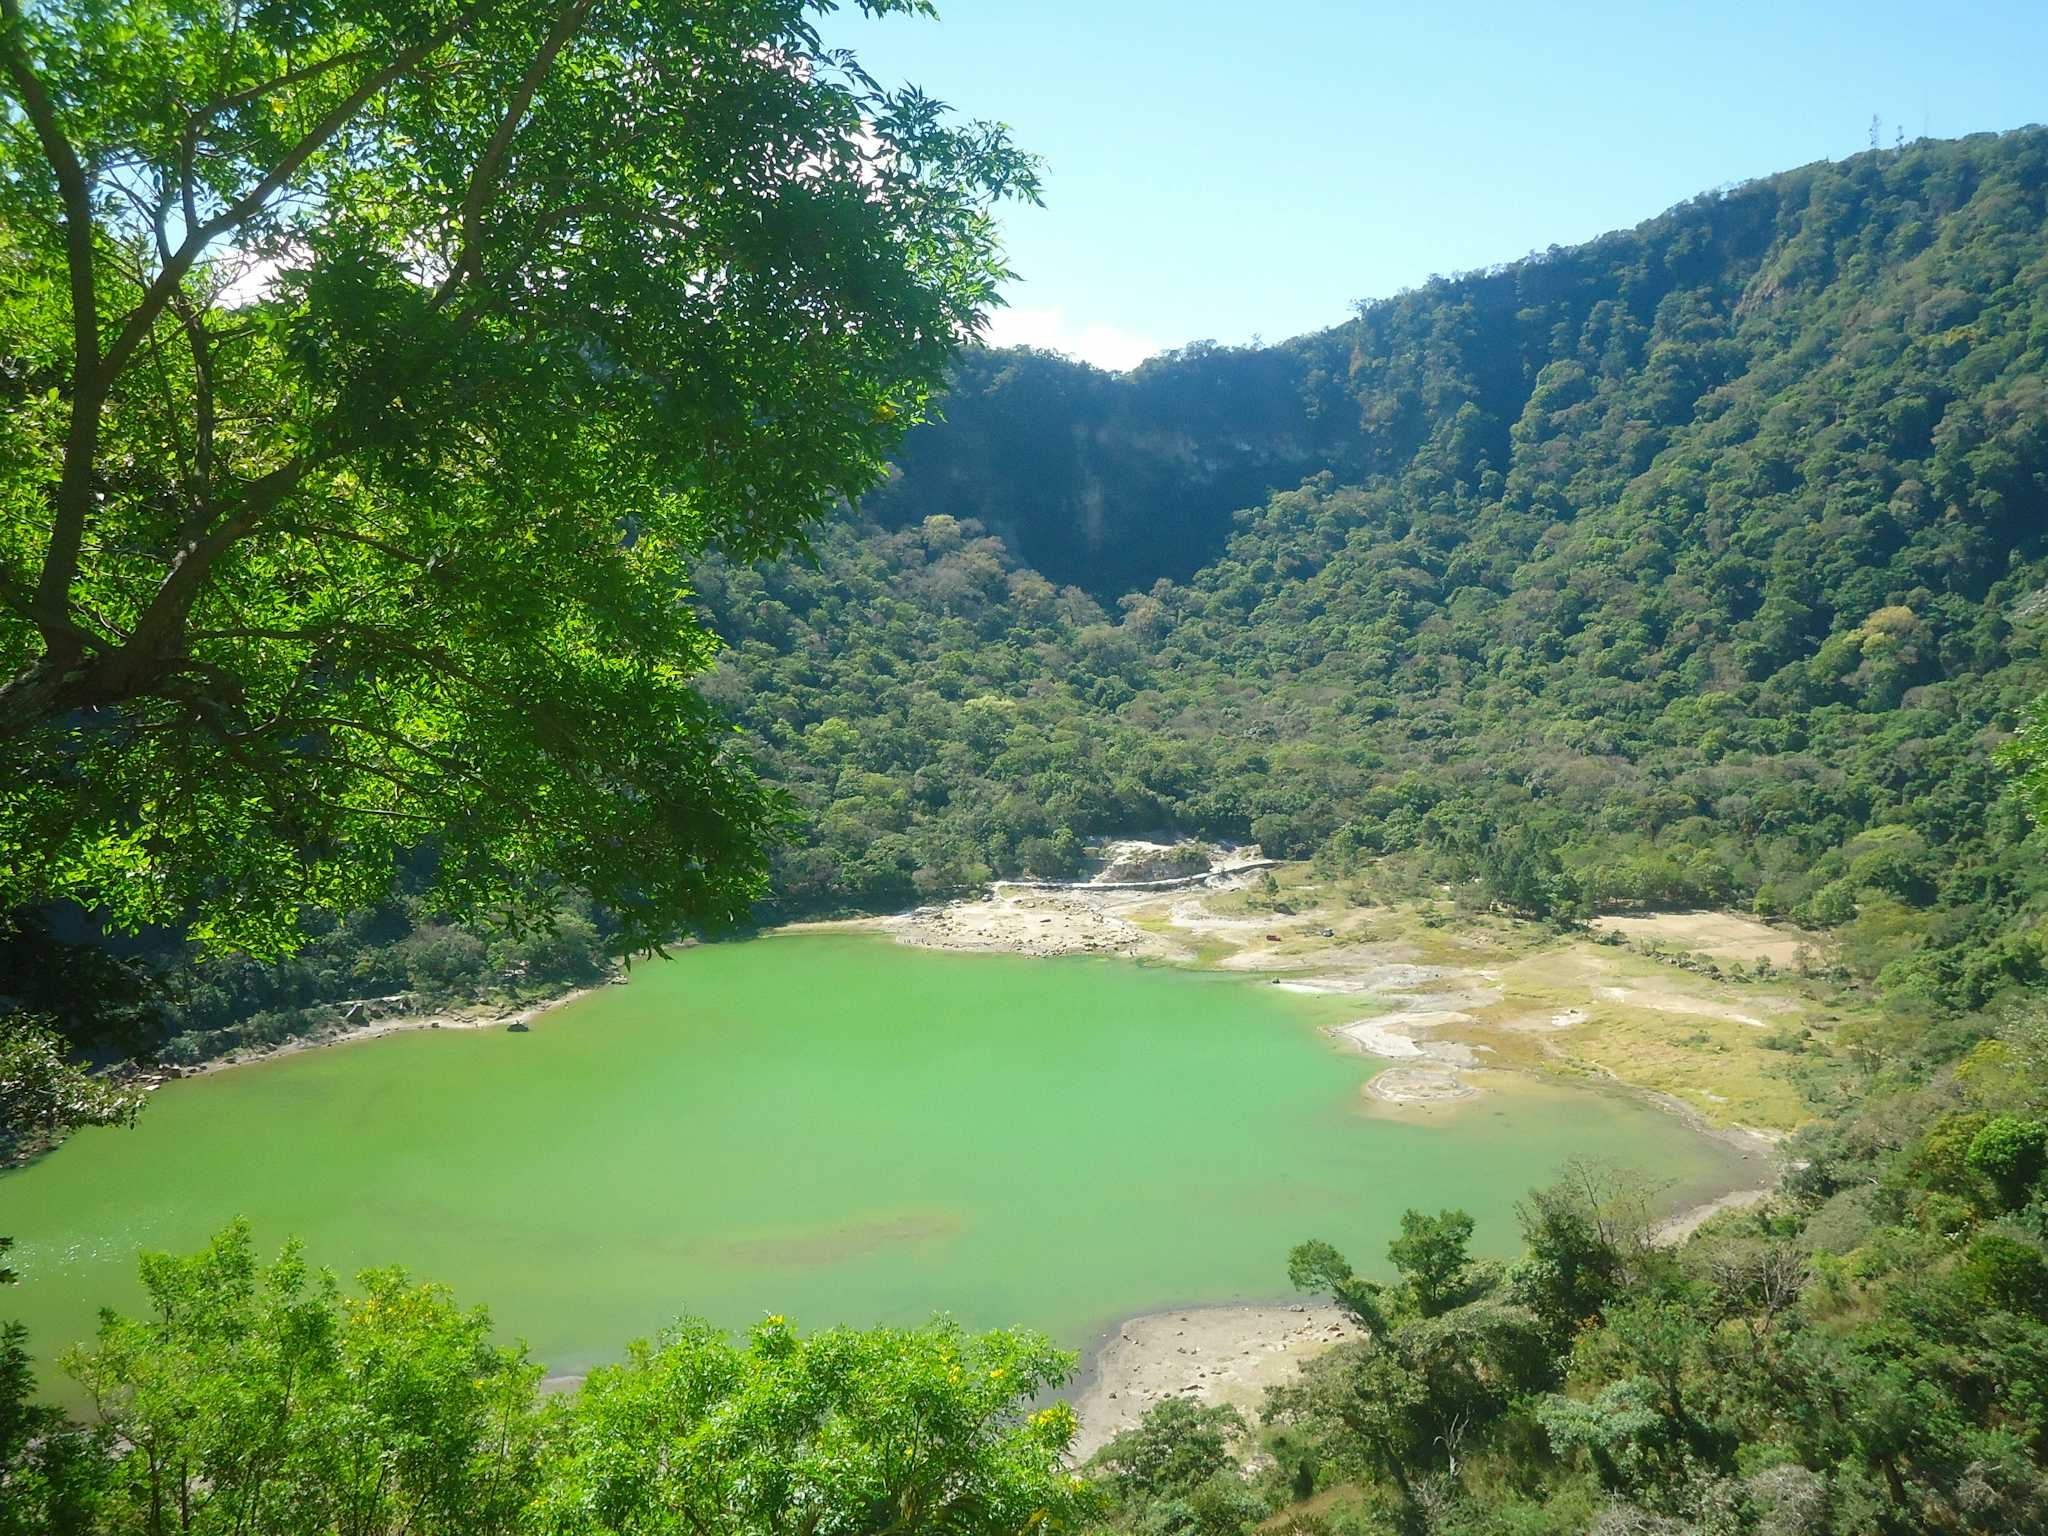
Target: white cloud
1103	345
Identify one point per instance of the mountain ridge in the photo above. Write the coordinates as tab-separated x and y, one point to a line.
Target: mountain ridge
1357	397
1677	567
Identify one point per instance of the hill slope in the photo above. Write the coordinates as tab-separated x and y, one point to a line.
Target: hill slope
1700	563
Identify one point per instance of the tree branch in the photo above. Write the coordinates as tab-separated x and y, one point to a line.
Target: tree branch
347	536
197	240
205	417
483	181
290	77
180	587
81	443
384	639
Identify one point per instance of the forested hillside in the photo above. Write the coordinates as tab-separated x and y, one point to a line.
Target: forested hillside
1707	562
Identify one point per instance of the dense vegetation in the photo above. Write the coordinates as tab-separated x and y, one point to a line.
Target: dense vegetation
1701	564
373	373
1864	1355
1704	563
258	1397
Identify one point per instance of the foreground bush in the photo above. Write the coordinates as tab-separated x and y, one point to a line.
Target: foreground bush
259	1398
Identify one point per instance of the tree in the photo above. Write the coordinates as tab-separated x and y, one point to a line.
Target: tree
902	1431
1621	1431
1430	1255
43	1094
1522	872
2007	1272
260	1397
1576	1258
374	375
2027	755
1366	1401
256	1397
1177	1446
1318	1266
2011	1152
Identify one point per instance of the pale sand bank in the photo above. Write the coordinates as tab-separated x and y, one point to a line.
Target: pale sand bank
1431	1068
1209	1354
1723	936
1670	1233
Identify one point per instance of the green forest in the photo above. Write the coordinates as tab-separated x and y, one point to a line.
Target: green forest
603	540
1698	565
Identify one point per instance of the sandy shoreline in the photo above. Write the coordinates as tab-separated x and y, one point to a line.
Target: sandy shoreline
377	1029
1676	1229
1235	1352
1230	1353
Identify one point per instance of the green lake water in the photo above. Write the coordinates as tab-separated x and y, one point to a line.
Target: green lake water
829	1126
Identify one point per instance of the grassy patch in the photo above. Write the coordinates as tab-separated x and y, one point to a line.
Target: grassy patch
1738	1052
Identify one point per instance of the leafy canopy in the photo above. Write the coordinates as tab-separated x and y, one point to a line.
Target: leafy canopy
1430	1255
254	1397
44	1094
900	1431
373	375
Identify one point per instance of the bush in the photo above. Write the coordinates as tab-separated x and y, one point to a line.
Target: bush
1175	1447
443	961
569	951
1058	857
2007	1272
186	1049
2011	1153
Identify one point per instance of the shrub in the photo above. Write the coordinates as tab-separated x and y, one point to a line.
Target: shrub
569	951
2011	1153
443	961
2007	1272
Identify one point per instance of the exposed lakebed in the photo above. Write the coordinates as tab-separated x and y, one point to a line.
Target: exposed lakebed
829	1126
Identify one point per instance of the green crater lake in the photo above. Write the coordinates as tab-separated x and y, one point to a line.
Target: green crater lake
830	1126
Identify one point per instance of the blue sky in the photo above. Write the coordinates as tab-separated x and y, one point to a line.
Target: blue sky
1224	171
